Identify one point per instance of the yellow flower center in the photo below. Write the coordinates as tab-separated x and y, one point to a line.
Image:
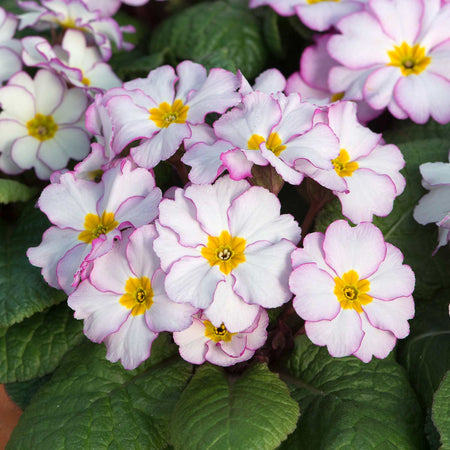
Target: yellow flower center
411	60
42	127
217	334
166	114
342	164
96	226
273	143
138	295
311	2
351	291
86	81
225	251
337	96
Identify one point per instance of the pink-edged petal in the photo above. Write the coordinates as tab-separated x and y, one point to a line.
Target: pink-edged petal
325	177
72	107
22	110
255	215
433	206
67	203
139	210
313	289
237	164
217	94
342	335
361	248
356	139
201	133
69	265
362	43
368	193
379	87
270	81
235	347
228	308
205	161
49	92
55	243
168	247
263	278
193	280
11	63
401	20
161	146
287	173
392	316
131	343
180	215
24	152
212	202
215	355
392	279
257	335
375	342
435	173
192	342
10	130
140	254
424	95
192	76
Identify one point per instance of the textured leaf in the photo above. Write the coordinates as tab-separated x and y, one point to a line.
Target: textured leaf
425	353
441	411
92	404
253	411
13	191
215	34
21	392
23	291
134	64
34	347
346	403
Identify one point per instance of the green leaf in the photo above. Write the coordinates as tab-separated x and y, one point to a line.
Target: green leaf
346	403
131	65
92	404
23	291
272	34
425	353
441	411
220	411
215	34
34	347
13	191
21	392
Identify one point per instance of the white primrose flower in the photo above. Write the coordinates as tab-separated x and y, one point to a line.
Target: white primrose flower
10	61
41	124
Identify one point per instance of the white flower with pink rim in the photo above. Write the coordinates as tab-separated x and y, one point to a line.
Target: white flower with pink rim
352	290
157	112
206	341
226	249
10	48
128	307
87	217
41	124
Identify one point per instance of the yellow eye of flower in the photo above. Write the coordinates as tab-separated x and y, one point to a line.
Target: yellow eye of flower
42	127
166	114
351	291
410	60
342	164
311	2
225	251
273	143
95	226
217	334
138	295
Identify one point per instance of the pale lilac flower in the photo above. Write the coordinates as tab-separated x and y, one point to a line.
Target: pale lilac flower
435	205
352	290
158	111
213	342
10	49
318	15
311	82
277	131
77	15
41	124
226	246
404	44
369	170
108	8
87	217
127	307
80	64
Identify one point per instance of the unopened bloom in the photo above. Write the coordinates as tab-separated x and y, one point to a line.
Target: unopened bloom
213	342
126	308
404	46
87	217
352	290
41	124
226	244
158	111
435	205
